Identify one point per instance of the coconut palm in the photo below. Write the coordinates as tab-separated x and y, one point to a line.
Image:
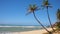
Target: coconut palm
32	9
58	19
58	15
46	4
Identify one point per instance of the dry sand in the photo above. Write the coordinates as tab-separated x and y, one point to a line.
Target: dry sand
36	31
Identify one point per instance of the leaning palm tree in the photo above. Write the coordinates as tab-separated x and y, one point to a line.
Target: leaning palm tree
32	9
58	15
46	4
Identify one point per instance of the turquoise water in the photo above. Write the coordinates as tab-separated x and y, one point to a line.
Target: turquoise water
19	29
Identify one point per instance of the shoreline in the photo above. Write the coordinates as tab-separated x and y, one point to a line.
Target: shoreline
36	31
29	32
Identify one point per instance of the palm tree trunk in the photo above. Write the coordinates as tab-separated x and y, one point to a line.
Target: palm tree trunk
40	23
49	19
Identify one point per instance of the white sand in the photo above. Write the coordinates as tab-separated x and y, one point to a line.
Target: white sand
36	31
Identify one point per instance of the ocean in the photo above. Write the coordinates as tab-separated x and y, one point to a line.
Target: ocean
19	28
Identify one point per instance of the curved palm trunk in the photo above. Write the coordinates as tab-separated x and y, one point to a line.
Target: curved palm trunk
49	19
40	23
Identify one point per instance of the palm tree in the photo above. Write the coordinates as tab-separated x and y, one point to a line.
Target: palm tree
32	9
58	15
58	19
46	4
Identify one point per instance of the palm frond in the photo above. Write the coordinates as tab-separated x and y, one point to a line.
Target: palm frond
37	9
28	13
32	8
42	6
46	3
30	5
58	14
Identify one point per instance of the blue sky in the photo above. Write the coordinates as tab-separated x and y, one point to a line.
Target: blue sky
14	12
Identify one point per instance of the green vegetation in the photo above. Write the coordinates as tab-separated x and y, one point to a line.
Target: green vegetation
32	9
58	25
58	19
58	15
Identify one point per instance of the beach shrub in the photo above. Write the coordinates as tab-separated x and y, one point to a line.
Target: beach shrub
58	25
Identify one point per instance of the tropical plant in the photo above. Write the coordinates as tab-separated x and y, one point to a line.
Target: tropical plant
58	25
58	19
58	15
32	9
46	5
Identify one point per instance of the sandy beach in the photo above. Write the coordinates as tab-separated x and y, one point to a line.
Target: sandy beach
29	32
36	31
